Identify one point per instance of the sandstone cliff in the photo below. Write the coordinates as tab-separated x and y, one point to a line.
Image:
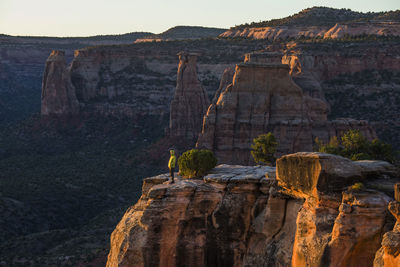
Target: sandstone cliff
139	79
389	254
264	98
358	71
337	31
278	32
190	101
374	28
244	216
58	93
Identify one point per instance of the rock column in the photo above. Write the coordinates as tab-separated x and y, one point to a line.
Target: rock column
190	101
58	93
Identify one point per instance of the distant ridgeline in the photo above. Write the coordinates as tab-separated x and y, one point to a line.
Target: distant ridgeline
324	16
321	22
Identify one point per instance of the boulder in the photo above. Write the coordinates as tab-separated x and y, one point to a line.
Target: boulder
309	174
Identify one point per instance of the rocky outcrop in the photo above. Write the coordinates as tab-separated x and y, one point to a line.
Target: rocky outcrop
190	101
336	226
362	28
58	93
264	98
303	213
278	32
389	254
335	32
348	58
233	217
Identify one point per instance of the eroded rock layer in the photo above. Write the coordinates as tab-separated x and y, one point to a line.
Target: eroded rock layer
335	32
190	101
260	216
263	98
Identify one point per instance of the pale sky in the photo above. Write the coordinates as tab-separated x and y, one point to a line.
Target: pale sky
93	17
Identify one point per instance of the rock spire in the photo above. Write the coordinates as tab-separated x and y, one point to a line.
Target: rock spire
58	93
190	101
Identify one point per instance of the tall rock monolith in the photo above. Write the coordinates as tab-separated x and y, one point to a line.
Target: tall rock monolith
58	93
190	101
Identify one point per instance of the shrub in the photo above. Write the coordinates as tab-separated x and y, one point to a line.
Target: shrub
354	143
196	163
264	148
356	187
331	148
355	146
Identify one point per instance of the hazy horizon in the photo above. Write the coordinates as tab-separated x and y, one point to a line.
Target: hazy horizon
89	18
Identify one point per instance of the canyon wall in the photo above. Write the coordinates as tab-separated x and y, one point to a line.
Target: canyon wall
359	80
303	213
136	80
337	31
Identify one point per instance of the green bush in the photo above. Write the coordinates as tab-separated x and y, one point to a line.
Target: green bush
355	146
264	148
196	163
356	187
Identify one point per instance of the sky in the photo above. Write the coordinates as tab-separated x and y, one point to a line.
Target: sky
94	17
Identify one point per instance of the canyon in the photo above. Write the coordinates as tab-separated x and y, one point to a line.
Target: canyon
304	212
129	81
73	155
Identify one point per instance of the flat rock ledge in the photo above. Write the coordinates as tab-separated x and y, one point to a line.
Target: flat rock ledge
223	174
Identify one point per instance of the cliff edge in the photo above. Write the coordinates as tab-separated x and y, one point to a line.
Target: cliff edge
306	212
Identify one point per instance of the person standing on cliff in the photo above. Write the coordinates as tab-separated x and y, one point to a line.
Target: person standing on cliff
171	164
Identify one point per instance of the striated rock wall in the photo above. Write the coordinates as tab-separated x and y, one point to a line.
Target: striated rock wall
355	79
190	101
264	98
58	93
278	32
348	58
136	80
244	216
337	31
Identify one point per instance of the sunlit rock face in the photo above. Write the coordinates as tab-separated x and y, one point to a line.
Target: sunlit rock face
58	93
336	226
190	101
232	217
301	213
389	254
335	32
263	98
